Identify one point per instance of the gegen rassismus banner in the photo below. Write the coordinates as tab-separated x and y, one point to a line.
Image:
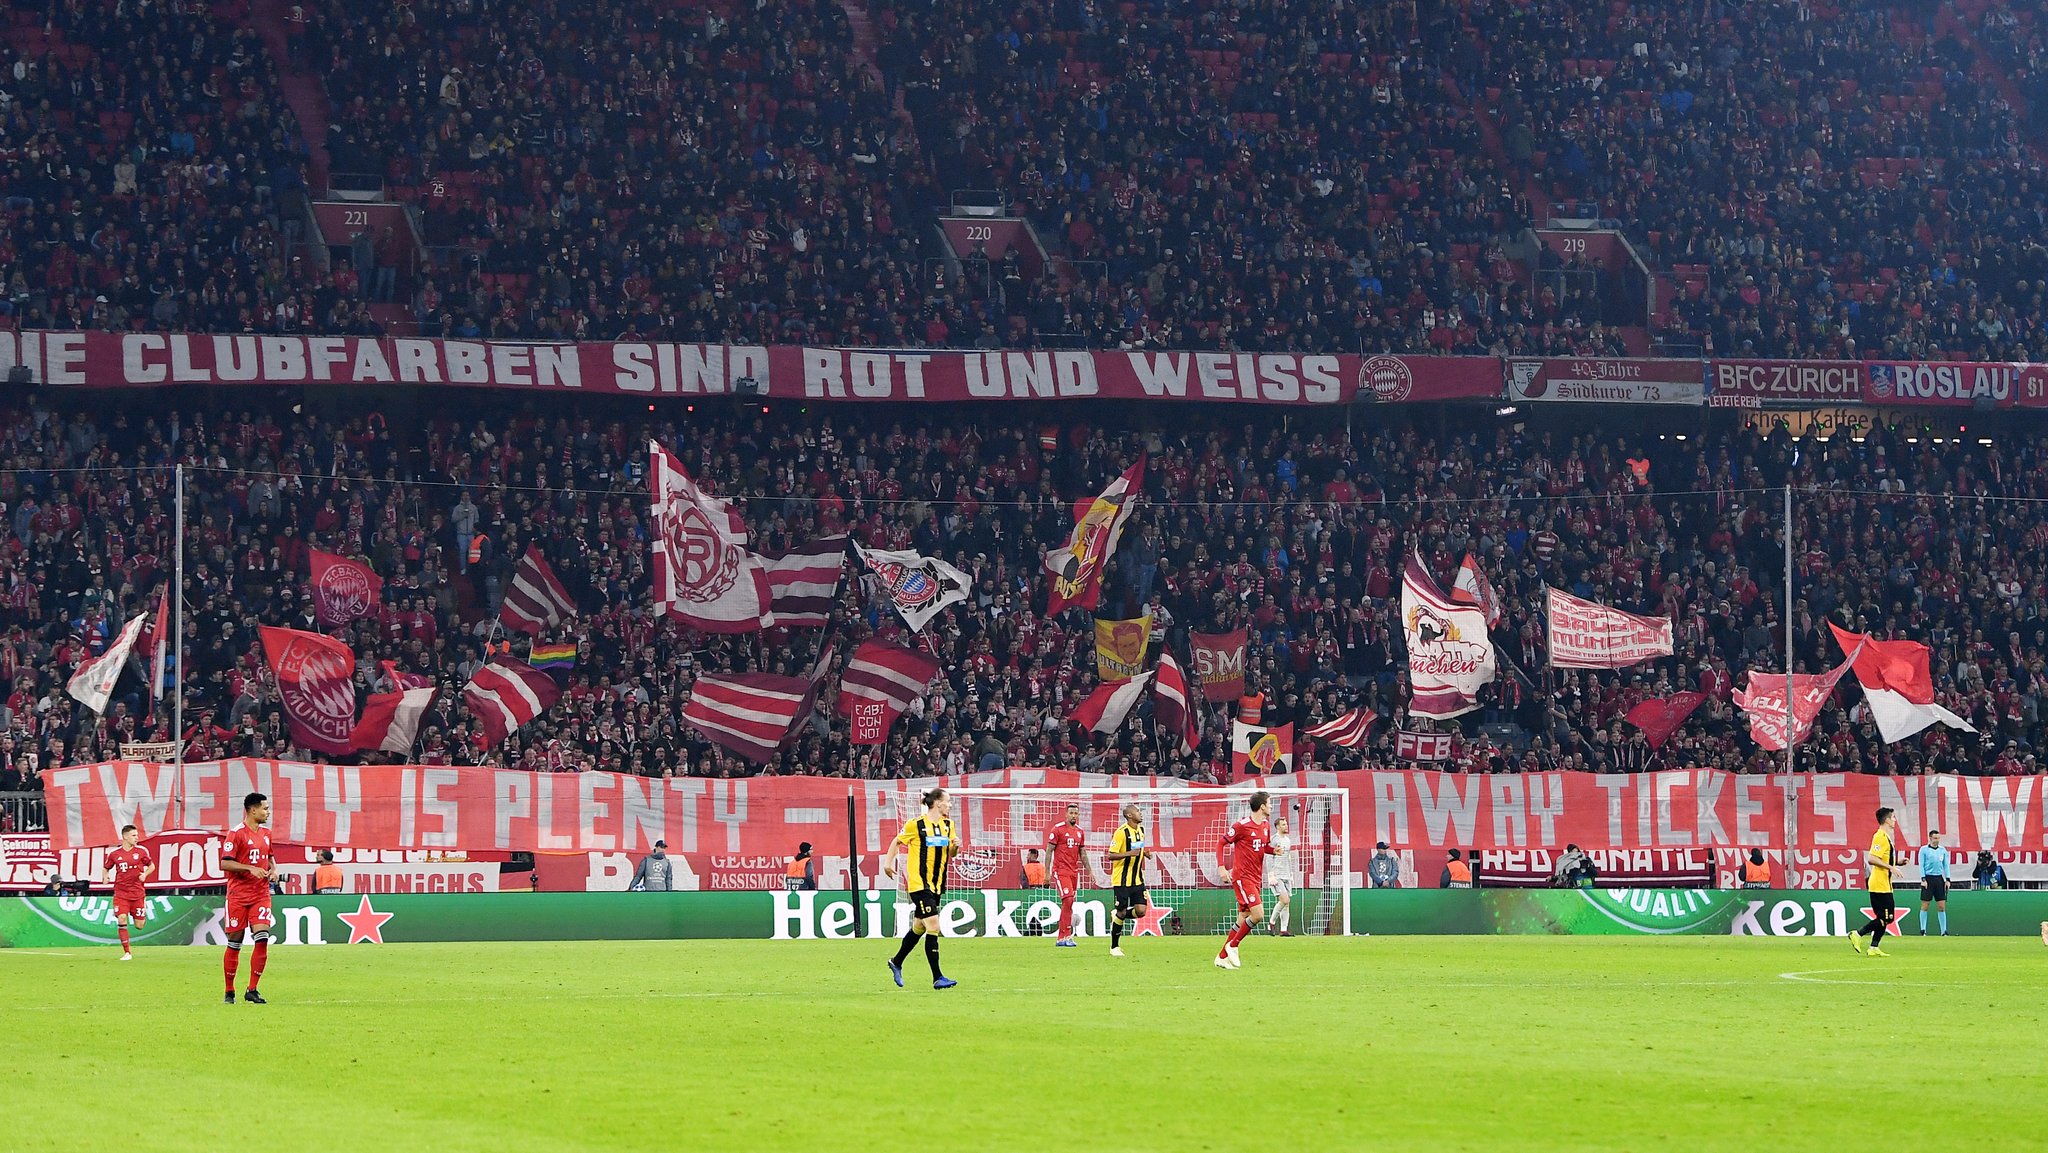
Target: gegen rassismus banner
485	809
789	372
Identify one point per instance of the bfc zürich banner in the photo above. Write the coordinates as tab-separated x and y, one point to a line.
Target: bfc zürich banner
504	810
651	369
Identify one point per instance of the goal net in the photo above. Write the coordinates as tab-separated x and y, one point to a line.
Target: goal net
1002	828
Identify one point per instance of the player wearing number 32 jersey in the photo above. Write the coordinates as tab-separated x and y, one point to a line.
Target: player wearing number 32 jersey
128	867
1245	849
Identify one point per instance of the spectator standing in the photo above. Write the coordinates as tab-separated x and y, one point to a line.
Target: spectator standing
1384	870
1457	872
801	874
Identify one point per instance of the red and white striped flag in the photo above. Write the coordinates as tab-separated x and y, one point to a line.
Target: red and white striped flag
750	713
391	721
803	581
1170	702
879	682
1106	709
536	602
1349	730
506	694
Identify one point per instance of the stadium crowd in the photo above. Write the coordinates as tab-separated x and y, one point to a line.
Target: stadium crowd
1295	535
1819	178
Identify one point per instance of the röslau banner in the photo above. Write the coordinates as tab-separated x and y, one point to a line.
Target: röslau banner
499	810
625	368
1955	384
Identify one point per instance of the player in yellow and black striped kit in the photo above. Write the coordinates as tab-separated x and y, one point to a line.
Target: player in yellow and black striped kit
928	842
1126	859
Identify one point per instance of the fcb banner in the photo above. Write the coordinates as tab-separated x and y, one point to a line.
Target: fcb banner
1120	648
1219	664
1584	635
646	369
1422	748
1608	380
438	807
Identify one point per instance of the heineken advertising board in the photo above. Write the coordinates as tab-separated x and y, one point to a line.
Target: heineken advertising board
67	922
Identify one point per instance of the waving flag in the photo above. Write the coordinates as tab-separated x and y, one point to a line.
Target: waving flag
750	713
703	574
1349	731
1219	664
506	694
1170	703
156	643
1897	687
1584	635
1262	751
1107	708
918	587
551	657
536	602
1471	588
881	680
1450	656
316	686
803	582
1076	566
400	680
391	721
1659	717
93	681
344	589
1120	647
1762	702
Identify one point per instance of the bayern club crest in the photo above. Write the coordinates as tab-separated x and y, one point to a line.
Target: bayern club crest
314	682
908	587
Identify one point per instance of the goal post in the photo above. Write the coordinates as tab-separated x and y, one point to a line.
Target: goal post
1000	827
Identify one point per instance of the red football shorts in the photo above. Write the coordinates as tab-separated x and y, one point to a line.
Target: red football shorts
250	912
133	907
1067	883
1247	894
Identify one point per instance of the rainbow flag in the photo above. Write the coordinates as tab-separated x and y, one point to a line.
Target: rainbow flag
562	656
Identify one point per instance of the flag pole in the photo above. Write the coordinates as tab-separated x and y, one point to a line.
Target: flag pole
1791	717
178	630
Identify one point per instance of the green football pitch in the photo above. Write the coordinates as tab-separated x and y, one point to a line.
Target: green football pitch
1483	1043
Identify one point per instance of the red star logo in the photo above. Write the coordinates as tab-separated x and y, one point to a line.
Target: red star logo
1152	924
367	924
1897	916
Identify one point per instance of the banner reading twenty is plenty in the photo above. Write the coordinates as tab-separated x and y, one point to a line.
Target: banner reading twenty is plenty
439	807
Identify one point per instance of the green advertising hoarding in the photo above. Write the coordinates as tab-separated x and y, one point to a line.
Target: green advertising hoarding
65	922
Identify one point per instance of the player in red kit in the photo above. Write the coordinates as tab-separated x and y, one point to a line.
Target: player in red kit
128	867
1067	841
1245	849
250	868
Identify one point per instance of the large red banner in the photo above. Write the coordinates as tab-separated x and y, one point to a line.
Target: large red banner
1955	384
501	810
147	359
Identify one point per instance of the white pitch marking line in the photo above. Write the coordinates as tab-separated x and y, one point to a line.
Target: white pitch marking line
1807	975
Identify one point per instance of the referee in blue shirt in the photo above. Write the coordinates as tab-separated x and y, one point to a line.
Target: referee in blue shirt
1933	880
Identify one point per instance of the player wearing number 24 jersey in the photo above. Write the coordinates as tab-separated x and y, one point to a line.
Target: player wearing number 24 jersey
1246	847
